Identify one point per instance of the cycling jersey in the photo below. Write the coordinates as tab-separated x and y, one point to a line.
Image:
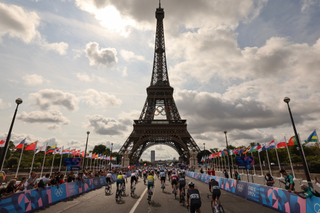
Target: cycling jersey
150	179
174	177
109	175
182	180
162	174
214	185
120	178
133	174
195	203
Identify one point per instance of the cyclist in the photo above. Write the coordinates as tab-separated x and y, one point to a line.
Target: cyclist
108	178
158	173
133	179
215	190
169	174
182	184
163	178
144	175
150	181
174	181
194	195
120	181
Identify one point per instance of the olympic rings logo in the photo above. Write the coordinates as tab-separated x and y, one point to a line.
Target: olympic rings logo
58	192
159	110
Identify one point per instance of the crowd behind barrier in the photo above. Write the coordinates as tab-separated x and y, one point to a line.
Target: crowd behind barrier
32	200
275	198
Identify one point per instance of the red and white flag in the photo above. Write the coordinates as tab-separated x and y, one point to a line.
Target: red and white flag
2	142
282	143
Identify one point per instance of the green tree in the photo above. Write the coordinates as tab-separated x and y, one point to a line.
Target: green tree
99	149
12	162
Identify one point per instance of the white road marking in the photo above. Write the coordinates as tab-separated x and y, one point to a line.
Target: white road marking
138	201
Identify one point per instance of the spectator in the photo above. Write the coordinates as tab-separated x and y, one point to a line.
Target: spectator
4	194
306	191
70	177
201	171
58	178
11	186
288	181
45	180
32	181
61	179
23	184
53	180
237	176
317	182
226	175
269	179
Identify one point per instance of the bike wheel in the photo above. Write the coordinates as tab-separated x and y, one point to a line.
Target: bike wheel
221	210
212	207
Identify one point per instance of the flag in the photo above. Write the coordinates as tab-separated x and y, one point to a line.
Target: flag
247	150
202	159
271	145
242	150
66	151
77	153
261	147
73	151
31	146
2	142
254	148
42	148
20	145
292	141
282	143
82	154
312	138
90	155
230	152
51	150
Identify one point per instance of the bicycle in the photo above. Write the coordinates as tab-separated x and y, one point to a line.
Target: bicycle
163	186
144	181
219	206
189	211
118	194
133	188
108	189
182	197
149	195
175	191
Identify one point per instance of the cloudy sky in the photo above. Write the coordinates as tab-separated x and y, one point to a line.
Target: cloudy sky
84	65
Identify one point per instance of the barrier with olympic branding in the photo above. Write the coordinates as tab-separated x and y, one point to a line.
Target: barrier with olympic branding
275	198
32	200
158	110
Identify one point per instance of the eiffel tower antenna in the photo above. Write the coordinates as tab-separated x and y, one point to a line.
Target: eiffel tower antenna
160	121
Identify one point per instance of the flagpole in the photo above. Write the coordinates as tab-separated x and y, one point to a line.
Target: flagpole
294	177
54	153
268	162
68	157
254	166
235	155
91	163
20	158
61	156
278	158
45	153
260	162
34	154
304	155
232	163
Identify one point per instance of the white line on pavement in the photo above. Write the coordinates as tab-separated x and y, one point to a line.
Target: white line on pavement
138	201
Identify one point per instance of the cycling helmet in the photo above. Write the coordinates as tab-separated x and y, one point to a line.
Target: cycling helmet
173	172
190	184
150	173
120	173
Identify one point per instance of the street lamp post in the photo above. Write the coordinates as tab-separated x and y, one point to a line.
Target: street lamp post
229	160
204	146
110	155
85	152
287	100
5	149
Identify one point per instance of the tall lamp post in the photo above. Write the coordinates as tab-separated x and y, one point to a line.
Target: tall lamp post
85	152
204	146
229	160
5	149
110	155
287	100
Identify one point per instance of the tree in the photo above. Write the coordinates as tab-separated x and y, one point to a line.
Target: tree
202	154
12	162
99	149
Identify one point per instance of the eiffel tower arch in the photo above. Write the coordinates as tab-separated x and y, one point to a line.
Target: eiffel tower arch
160	121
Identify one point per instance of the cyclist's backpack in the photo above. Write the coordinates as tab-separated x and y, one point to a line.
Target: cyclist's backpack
314	192
41	184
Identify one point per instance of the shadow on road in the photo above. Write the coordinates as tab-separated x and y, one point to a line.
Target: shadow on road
154	204
135	196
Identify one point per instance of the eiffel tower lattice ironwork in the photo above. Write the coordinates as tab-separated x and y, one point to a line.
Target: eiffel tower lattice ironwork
148	131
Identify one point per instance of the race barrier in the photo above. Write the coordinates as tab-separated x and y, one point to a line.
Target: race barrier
32	200
275	198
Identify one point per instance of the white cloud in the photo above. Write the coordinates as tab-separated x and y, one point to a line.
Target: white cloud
52	116
16	138
308	3
106	126
104	56
48	97
124	72
60	47
4	105
130	56
18	23
32	80
101	99
86	78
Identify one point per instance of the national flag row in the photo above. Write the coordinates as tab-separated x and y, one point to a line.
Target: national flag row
263	146
58	150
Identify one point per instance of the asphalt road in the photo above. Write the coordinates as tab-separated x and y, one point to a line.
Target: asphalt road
96	201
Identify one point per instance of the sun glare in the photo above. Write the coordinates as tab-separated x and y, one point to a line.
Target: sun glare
111	19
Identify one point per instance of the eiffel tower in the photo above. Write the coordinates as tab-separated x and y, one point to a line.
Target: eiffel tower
148	131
